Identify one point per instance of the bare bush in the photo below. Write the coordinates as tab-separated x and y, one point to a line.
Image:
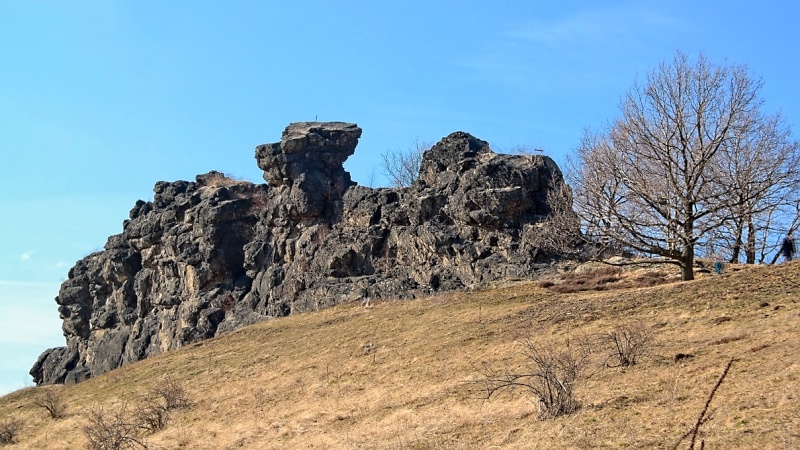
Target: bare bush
172	393
153	412
559	233
9	428
551	375
631	342
605	278
112	430
152	416
648	279
52	402
259	201
216	179
402	166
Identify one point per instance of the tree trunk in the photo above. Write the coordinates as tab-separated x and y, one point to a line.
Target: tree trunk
687	256
687	264
750	251
737	243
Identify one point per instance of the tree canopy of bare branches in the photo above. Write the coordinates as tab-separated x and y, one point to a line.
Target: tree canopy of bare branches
691	154
401	167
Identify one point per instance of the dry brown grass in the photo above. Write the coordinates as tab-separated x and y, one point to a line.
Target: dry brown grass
602	277
593	280
216	179
306	381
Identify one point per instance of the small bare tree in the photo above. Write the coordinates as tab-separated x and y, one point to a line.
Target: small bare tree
52	401
551	375
401	167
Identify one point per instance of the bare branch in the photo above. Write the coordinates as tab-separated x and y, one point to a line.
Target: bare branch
550	375
691	159
402	166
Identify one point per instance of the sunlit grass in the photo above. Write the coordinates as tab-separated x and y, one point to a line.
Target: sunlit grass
405	374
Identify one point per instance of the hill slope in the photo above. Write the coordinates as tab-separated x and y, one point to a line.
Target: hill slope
406	374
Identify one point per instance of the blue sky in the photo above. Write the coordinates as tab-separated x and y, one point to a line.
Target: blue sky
101	99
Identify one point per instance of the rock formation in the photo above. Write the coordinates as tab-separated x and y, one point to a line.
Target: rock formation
209	256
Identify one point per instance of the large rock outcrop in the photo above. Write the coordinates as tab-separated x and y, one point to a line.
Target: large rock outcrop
209	256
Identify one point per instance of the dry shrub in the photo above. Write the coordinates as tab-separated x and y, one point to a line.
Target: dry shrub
112	430
52	402
153	413
401	167
152	416
216	179
259	201
559	233
118	429
550	375
630	342
172	393
9	428
606	278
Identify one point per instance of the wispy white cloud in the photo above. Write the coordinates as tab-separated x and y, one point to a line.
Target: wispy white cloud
26	256
591	27
572	52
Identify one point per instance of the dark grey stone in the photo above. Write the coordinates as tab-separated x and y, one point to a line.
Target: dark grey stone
210	256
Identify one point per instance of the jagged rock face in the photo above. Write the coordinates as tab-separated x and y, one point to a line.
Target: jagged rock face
210	256
306	166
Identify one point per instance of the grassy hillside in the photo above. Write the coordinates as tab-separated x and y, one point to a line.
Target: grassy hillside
406	374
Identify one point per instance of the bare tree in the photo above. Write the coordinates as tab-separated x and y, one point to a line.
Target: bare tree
151	415
658	181
762	169
402	166
52	401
